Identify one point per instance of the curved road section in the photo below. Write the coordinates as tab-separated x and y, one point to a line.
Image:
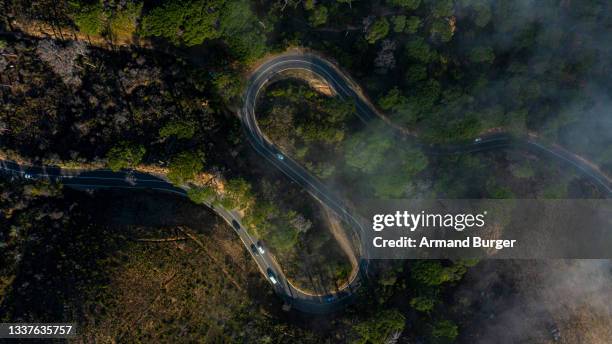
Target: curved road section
345	88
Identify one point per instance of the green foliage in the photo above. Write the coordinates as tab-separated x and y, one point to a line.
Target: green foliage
399	106
482	54
391	100
3	43
414	160
242	30
300	119
426	94
461	128
282	237
228	85
124	155
179	129
432	273
309	4
523	170
122	23
90	18
497	191
201	195
378	328
378	30
556	190
365	151
390	183
258	218
42	188
407	4
318	16
413	24
423	304
419	50
190	22
399	23
237	194
483	13
445	330
441	8
416	73
185	166
442	30
195	21
328	127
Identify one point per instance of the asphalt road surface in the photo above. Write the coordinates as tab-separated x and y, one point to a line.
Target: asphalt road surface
343	87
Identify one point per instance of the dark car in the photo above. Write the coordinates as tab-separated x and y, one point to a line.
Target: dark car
235	224
254	249
329	298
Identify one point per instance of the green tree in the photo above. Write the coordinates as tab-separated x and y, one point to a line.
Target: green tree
378	30
242	30
432	273
392	99
380	327
185	166
122	23
392	181
445	330
483	13
318	16
407	4
524	170
201	195
190	22
423	303
482	54
399	23
413	24
419	50
237	194
390	184
416	73
228	85
441	8
125	155
403	109
366	151
413	160
89	18
179	129
442	29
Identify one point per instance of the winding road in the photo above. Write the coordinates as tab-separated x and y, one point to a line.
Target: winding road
344	88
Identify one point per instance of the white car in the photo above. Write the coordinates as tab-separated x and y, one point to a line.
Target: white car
478	139
279	156
272	276
260	248
27	176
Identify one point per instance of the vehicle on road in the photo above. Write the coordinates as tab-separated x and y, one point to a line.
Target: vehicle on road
235	224
478	139
254	249
272	276
27	176
329	298
279	156
260	248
